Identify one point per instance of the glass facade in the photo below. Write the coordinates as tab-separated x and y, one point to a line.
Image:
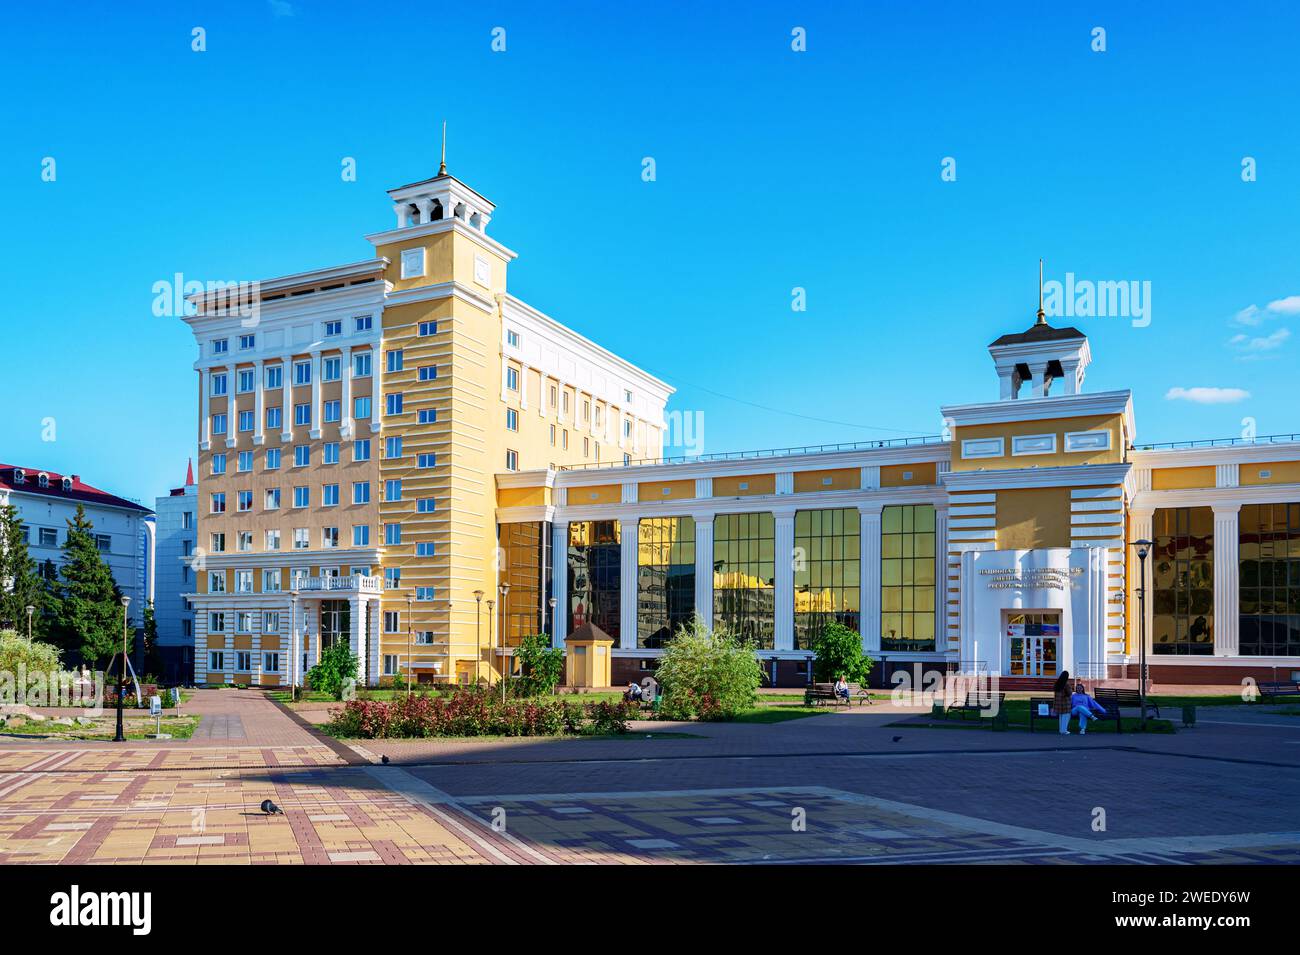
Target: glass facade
665	578
828	553
1182	581
593	576
744	572
907	580
526	567
335	622
1270	580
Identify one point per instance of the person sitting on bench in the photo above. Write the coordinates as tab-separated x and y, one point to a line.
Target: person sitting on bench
842	688
1084	707
633	693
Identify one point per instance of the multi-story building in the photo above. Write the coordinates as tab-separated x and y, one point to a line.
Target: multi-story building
123	529
349	436
396	443
176	537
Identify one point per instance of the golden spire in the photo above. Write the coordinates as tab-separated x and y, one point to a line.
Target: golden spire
1041	319
442	167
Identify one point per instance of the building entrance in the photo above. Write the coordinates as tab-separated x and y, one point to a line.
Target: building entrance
1033	638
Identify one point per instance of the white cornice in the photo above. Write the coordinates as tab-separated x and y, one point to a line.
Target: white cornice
428	293
1075	476
437	227
1037	409
246	560
1210	496
1244	453
335	273
538	478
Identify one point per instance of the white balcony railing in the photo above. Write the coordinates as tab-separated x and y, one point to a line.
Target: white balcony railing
349	583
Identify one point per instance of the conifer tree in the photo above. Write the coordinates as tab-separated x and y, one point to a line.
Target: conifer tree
20	585
88	615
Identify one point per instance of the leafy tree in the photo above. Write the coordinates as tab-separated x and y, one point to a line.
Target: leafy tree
88	612
838	652
707	674
335	671
540	665
20	585
153	661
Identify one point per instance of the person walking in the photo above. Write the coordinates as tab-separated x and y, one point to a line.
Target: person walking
1061	701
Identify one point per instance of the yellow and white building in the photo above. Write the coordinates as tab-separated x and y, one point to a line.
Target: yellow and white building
394	444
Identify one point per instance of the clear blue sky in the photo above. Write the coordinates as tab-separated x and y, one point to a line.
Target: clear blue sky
775	169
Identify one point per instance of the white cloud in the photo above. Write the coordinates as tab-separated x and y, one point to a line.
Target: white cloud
1207	396
1254	315
1263	343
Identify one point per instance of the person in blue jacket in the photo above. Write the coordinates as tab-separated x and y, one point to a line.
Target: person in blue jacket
1084	707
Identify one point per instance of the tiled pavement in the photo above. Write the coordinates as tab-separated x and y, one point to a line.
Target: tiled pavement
840	788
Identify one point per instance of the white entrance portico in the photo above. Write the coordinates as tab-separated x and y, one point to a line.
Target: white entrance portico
1034	612
329	608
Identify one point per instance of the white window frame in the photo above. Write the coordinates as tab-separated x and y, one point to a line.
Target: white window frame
1027	445
1076	441
975	448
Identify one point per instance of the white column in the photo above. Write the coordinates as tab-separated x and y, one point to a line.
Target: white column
345	412
704	567
259	406
869	576
560	581
286	399
232	412
356	640
783	567
295	645
1038	371
376	618
315	431
205	429
627	584
1227	603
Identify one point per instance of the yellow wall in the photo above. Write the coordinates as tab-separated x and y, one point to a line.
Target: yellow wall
895	475
757	484
841	479
598	494
1058	426
523	497
1281	472
1029	518
1174	479
665	491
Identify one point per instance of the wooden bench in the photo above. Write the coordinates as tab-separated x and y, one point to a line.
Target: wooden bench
981	704
1113	698
859	693
1275	690
1110	711
815	694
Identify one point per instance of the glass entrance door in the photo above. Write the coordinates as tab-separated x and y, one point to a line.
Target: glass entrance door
1032	640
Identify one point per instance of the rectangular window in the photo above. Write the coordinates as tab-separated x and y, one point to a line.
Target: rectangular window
243	582
907	578
274	418
217	621
393	403
424	594
1269	576
428	415
270	581
302	373
272	540
270	662
331	368
512	338
244	500
428	328
330	495
301	455
428	372
360	535
246	421
243	661
301	539
828	548
394	358
744	575
273	459
216	581
512	419
271	618
246	342
525	564
220	346
219	463
594	561
425	505
427	460
392	533
360	492
333	328
330	452
329	537
302	497
512	379
392	578
217	543
247	381
216	661
665	578
361	365
361	407
361	450
392	621
393	489
218	385
219	502
218	424
1182	581
390	664
302	415
393	447
49	537
272	499
426	548
512	460
103	543
274	375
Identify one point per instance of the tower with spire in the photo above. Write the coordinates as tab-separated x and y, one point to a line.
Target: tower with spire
1029	363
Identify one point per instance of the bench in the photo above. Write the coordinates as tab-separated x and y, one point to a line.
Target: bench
1114	698
981	704
815	694
859	693
1272	691
1110	711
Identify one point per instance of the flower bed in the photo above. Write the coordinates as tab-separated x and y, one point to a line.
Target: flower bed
476	712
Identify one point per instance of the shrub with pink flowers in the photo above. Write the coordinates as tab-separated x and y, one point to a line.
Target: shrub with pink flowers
475	711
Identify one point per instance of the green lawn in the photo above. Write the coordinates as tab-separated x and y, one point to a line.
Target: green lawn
104	728
1017	713
779	714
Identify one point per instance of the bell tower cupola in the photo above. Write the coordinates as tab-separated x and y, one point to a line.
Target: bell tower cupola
442	197
1029	363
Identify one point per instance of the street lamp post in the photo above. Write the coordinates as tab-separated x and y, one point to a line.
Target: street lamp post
410	623
551	603
30	610
478	608
1143	547
121	678
501	635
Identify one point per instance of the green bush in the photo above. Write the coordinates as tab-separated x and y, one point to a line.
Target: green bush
337	666
35	657
838	652
540	666
707	674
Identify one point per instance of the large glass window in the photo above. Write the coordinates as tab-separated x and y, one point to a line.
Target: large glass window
665	578
907	577
593	576
525	568
744	572
1270	580
828	550
335	623
1182	584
